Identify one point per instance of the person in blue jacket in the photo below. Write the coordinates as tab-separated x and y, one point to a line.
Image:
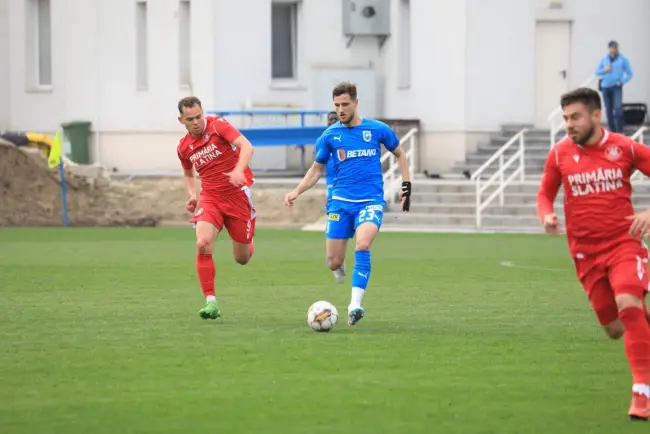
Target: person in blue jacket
614	71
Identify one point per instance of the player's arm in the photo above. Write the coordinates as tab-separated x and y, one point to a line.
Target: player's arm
314	173
190	181
640	161
237	139
547	192
311	178
391	143
641	157
245	152
403	163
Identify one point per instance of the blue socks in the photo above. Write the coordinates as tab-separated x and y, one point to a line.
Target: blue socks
361	273
360	277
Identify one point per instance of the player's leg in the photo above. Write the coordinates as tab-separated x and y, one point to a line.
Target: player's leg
595	281
367	223
603	303
239	219
208	224
338	229
241	232
628	276
335	253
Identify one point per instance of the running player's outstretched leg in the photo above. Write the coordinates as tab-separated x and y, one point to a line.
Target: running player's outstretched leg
629	281
206	233
336	257
242	252
637	350
365	235
242	232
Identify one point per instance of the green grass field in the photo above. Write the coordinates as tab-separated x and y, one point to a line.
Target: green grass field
100	334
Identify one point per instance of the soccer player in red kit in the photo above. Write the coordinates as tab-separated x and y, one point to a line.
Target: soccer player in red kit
220	155
604	234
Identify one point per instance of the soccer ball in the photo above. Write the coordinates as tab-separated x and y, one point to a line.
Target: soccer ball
322	316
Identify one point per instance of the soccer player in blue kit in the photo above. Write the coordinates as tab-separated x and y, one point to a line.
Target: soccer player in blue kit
357	203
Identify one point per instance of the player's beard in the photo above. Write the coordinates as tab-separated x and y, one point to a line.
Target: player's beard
348	119
583	139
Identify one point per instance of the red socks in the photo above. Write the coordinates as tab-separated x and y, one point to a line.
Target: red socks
205	270
637	343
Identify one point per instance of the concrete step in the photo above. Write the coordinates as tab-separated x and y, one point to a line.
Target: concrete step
441	186
485	229
463	220
474	162
494	208
489	149
539	139
531	160
530	187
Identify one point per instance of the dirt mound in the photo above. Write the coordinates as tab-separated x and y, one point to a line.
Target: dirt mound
30	195
167	197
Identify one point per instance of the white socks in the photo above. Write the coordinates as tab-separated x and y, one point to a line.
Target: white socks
210	298
357	297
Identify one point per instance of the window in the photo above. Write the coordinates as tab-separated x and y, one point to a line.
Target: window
38	27
184	56
141	51
404	45
284	26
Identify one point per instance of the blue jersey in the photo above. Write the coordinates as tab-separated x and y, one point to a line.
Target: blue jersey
356	152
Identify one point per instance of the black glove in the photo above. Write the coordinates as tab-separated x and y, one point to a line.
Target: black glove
406	195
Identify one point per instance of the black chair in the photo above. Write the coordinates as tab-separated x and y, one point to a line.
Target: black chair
635	113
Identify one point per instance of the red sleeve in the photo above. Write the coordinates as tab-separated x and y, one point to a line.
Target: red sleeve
187	164
225	130
549	186
641	157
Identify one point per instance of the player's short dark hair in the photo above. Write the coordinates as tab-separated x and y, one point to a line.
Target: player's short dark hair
188	102
343	88
587	96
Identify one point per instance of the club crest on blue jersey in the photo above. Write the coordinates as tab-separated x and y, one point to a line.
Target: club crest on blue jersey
367	135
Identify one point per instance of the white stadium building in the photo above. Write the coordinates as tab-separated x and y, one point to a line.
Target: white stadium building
462	68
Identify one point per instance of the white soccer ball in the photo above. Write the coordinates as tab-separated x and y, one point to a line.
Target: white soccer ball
322	316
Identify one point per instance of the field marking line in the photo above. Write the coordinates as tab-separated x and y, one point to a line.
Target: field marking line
511	264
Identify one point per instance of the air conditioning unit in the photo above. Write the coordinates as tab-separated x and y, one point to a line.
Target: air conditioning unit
366	18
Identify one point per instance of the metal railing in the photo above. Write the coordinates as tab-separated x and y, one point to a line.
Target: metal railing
556	120
638	137
498	178
393	175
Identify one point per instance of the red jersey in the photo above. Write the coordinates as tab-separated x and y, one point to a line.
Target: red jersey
212	155
597	189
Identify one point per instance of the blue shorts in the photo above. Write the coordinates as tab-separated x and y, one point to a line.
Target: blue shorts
343	218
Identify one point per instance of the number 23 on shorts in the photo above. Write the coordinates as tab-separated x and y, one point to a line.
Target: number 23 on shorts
371	213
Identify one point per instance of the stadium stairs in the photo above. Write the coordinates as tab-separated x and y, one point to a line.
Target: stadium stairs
449	205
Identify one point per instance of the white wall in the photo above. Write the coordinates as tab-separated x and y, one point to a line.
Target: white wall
472	67
4	65
500	52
